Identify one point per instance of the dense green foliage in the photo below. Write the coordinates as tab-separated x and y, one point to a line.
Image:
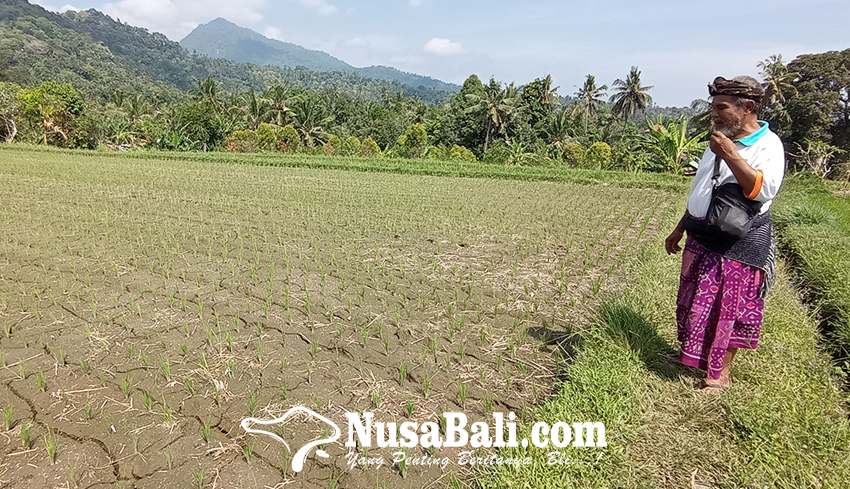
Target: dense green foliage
223	39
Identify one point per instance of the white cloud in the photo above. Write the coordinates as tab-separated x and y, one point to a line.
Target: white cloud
443	47
176	18
322	7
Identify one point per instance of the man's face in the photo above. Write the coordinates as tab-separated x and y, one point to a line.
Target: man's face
727	116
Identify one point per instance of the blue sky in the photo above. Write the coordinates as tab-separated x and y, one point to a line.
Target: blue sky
679	46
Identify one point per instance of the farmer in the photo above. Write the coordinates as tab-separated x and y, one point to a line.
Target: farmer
723	283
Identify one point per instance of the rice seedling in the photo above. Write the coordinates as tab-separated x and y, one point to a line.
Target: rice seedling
39	380
169	414
462	393
252	404
73	478
409	407
7	417
199	478
125	387
50	445
165	368
206	429
248	452
402	464
402	373
426	385
25	436
148	400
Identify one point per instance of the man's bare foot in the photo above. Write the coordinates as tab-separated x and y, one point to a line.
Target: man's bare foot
713	386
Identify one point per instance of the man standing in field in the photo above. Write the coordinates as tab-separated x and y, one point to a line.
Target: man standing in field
720	306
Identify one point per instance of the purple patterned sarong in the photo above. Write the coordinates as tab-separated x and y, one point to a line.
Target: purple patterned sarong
717	308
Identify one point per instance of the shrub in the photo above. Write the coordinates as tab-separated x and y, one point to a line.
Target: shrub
288	139
574	154
335	143
266	138
597	157
414	142
351	147
242	142
370	148
462	154
498	153
437	153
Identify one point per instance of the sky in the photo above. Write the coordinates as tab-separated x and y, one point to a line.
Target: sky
679	46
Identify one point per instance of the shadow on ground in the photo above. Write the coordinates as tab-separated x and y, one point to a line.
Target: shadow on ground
622	322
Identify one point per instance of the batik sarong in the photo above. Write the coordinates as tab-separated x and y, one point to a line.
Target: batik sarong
717	308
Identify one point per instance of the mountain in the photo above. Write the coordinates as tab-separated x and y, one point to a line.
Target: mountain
99	55
223	39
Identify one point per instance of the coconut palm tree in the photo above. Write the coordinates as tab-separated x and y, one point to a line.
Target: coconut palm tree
136	106
207	91
702	119
590	97
777	80
311	118
281	98
558	127
255	110
498	105
548	96
630	95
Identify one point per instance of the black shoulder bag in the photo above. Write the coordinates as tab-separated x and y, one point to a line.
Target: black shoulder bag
730	214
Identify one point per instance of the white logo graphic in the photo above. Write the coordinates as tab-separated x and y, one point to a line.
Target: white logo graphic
301	455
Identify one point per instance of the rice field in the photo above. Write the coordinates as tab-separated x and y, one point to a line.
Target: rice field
148	306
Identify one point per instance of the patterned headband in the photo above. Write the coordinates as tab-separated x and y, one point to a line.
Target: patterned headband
722	86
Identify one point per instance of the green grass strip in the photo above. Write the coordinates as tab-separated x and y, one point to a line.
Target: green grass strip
554	173
814	231
783	423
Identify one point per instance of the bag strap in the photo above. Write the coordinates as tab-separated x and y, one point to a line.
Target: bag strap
716	177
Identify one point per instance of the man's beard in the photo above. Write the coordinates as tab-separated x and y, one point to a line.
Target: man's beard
730	130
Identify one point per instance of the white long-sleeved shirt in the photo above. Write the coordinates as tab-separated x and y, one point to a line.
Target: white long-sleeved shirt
763	150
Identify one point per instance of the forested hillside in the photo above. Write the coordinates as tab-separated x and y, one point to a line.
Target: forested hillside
99	55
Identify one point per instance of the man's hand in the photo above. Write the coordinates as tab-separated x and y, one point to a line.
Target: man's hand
671	244
723	147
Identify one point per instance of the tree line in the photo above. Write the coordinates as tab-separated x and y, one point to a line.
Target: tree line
532	124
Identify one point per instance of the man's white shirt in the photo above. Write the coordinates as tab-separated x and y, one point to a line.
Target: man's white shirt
763	150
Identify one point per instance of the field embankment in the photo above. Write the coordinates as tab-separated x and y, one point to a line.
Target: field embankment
784	423
813	220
